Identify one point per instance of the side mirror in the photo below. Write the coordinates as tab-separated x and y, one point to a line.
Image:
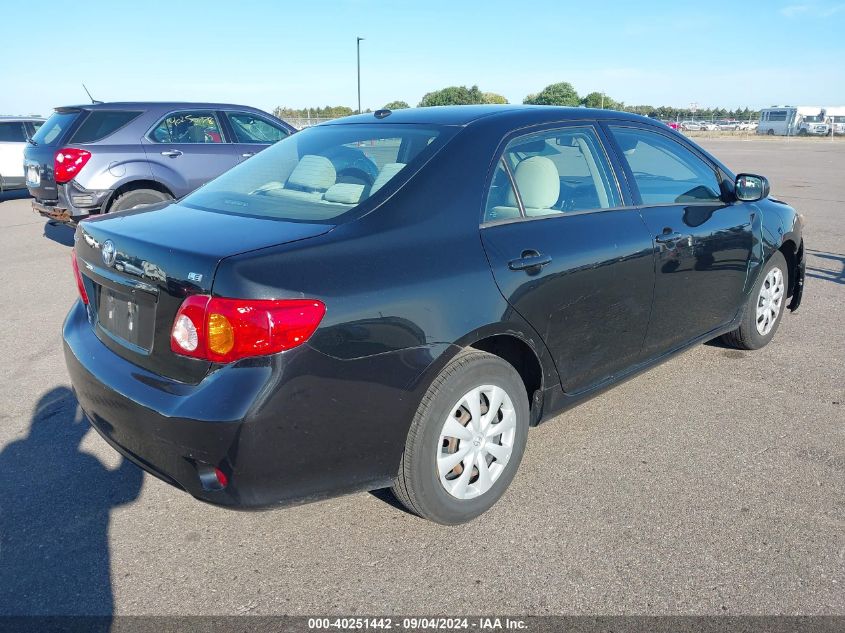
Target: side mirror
750	188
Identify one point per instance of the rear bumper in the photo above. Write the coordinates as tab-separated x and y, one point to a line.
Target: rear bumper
73	203
288	428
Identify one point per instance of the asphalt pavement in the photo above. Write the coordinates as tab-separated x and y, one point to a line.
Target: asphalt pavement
713	484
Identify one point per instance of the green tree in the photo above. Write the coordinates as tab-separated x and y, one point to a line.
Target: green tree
326	112
600	100
559	94
492	97
396	105
453	95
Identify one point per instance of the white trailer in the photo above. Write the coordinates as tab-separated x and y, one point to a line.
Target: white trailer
836	119
793	121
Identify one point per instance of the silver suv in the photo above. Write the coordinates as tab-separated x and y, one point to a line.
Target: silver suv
109	157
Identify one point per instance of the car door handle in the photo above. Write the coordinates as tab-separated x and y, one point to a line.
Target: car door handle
669	238
248	154
529	259
171	153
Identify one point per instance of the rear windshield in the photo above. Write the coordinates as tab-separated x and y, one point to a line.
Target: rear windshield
55	128
101	123
322	172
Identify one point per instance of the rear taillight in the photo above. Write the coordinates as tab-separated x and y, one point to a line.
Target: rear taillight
79	283
224	330
68	162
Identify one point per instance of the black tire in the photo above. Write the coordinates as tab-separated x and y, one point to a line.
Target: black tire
136	198
418	486
771	132
747	336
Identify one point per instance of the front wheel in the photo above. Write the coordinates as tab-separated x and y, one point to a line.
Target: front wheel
466	440
764	308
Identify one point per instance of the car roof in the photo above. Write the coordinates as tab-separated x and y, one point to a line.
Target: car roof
12	118
466	114
153	105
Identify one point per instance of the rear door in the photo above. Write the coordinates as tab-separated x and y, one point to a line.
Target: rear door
567	252
12	142
187	148
702	242
251	132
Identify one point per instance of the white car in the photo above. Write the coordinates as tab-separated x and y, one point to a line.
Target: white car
14	130
747	126
692	126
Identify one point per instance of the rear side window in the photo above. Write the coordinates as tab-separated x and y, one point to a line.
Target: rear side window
188	127
322	172
665	171
55	128
555	171
12	132
102	123
249	128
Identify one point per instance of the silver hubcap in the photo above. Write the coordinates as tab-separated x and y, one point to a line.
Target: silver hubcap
769	301
476	442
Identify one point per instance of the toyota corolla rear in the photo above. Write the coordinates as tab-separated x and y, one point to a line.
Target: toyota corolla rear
212	393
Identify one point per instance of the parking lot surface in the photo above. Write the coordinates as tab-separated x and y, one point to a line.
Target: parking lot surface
712	484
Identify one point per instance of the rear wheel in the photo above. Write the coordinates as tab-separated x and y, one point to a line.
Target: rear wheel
765	307
466	441
771	132
136	198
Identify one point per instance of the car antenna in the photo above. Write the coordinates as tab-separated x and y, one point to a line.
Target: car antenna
93	100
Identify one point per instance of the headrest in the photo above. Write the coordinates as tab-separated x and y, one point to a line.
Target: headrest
313	173
344	193
538	182
388	171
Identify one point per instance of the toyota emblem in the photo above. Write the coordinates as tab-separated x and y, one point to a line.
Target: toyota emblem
109	253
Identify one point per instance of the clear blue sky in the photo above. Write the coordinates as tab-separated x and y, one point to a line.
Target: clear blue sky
266	53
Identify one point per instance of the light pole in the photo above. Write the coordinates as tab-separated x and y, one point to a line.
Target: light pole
358	44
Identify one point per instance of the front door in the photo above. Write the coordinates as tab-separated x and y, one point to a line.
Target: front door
187	149
568	255
252	133
703	243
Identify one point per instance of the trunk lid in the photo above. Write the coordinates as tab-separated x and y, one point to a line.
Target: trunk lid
40	152
139	266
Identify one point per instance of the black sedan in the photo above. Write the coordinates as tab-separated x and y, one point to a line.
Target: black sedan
285	334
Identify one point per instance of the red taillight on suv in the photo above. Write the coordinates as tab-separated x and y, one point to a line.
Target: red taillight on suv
68	162
224	330
80	285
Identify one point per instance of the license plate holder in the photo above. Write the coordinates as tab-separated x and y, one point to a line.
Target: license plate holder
126	317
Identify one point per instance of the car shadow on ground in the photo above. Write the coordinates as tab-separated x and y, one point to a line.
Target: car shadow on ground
827	274
59	232
55	505
13	194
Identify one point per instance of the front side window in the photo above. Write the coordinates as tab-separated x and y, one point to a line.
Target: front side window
188	127
322	172
12	132
249	128
555	171
665	171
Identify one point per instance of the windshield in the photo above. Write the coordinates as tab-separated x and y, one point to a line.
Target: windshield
54	129
322	172
813	119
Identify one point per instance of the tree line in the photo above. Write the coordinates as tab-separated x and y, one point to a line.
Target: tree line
558	94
